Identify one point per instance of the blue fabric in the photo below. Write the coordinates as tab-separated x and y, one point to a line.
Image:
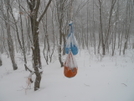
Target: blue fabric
72	48
67	50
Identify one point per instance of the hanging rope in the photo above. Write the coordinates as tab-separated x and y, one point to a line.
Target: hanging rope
71	10
71	18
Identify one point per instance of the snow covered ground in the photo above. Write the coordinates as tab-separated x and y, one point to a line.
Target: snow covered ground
109	79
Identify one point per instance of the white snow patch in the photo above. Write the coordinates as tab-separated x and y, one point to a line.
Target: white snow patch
111	79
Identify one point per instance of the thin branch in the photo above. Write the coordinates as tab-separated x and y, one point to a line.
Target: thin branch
28	68
24	10
44	11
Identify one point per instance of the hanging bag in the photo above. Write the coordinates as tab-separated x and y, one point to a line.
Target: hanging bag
70	66
71	43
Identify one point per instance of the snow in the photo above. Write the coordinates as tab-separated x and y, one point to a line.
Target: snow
107	79
70	22
38	31
16	13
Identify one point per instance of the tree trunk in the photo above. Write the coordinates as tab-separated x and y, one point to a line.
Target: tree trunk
93	31
0	60
34	7
60	7
9	39
60	50
101	29
36	65
36	55
22	39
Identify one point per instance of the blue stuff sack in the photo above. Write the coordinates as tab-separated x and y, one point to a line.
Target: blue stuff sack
71	43
74	49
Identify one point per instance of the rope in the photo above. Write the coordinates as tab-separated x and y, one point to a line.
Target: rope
71	10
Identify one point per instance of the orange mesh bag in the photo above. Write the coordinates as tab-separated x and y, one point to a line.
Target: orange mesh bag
70	66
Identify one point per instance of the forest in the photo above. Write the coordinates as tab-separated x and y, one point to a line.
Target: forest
35	27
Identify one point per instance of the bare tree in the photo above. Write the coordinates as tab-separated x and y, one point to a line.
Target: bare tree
0	60
127	22
101	35
93	31
19	30
35	20
63	17
112	4
49	37
6	16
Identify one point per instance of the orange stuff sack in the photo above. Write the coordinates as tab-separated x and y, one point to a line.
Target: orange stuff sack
70	66
70	72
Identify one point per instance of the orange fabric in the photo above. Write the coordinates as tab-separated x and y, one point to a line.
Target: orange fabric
70	72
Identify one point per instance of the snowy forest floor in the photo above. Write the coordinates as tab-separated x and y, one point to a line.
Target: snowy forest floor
109	79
